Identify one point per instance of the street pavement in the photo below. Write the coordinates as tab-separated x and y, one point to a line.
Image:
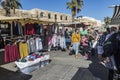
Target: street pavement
61	67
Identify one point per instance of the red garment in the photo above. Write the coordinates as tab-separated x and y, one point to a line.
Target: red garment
30	29
15	53
11	53
6	53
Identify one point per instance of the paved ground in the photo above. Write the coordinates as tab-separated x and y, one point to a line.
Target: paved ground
62	67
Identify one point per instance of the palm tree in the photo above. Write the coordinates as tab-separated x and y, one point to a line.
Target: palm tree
6	5
15	4
75	6
107	20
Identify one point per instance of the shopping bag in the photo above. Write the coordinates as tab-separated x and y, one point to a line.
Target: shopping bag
100	49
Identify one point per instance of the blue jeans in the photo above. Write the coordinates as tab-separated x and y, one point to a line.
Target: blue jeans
76	47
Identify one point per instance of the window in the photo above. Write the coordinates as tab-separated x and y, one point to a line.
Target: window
60	17
66	18
49	16
41	14
55	17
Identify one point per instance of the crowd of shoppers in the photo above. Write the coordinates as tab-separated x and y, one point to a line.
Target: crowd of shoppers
104	42
108	51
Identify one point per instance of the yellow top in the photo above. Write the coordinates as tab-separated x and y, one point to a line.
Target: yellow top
23	49
75	37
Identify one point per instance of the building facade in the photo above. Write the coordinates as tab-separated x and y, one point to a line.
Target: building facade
42	15
49	16
91	22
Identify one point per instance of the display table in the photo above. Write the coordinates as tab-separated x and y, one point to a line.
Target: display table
30	66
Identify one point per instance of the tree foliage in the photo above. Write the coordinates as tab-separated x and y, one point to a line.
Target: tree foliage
107	20
10	4
75	6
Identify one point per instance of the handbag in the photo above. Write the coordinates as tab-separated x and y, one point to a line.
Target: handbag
72	52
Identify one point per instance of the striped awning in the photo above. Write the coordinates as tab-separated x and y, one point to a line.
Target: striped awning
116	16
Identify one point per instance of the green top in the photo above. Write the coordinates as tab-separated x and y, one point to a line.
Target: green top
85	32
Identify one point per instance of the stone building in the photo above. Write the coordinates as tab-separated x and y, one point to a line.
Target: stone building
42	15
50	16
91	22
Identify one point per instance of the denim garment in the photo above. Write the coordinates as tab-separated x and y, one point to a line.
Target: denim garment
38	44
31	43
62	42
76	47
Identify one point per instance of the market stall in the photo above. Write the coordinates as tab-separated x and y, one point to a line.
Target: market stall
22	42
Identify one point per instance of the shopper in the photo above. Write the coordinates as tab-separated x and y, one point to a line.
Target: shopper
67	39
84	31
76	41
90	37
85	45
101	40
111	54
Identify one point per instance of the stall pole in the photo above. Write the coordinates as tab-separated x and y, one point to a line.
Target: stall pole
11	27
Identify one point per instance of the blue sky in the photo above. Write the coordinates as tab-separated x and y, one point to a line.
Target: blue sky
97	9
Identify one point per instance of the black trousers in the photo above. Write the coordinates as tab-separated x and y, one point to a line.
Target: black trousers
85	50
68	44
110	74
